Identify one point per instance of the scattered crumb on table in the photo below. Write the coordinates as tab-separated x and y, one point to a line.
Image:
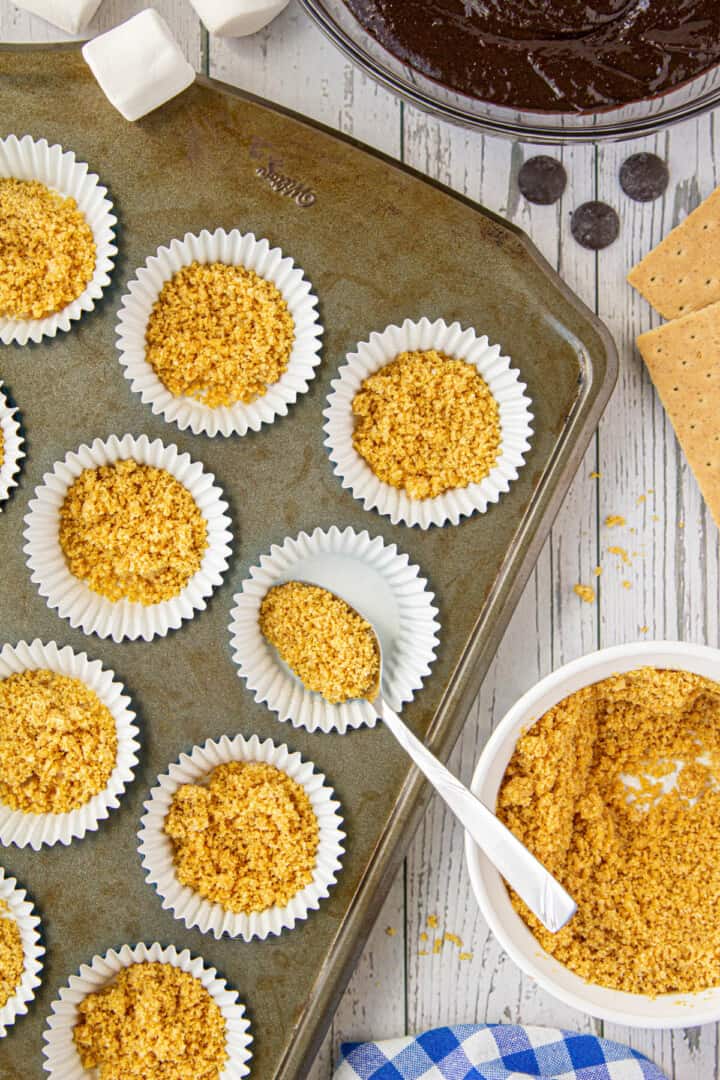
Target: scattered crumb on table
585	592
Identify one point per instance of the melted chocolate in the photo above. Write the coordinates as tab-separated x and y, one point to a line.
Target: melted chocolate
550	55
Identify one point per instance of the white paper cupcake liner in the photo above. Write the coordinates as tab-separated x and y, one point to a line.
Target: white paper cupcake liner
23	912
62	1060
375	579
73	599
157	853
504	384
28	159
35	830
237	249
12	448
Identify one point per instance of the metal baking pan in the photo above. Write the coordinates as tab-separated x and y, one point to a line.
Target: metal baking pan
379	243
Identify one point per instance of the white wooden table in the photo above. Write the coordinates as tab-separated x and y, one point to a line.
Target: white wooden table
670	590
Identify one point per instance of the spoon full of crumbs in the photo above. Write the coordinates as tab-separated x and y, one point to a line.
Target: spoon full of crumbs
298	612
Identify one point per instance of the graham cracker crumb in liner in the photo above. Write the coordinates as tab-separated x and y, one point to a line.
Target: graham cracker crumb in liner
247	840
47	250
58	743
154	1022
12	956
427	423
133	531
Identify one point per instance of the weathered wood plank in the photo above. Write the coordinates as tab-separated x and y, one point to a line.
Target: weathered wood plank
673	577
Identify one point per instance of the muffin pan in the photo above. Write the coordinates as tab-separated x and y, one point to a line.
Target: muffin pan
215	158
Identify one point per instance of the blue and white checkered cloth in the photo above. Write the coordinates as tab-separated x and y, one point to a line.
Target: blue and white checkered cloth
495	1052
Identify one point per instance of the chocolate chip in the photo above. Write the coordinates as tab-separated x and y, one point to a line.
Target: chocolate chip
595	225
644	177
542	180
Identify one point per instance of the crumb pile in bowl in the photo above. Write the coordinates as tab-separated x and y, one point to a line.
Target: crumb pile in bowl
219	333
328	645
617	791
153	1022
58	743
132	531
47	250
427	423
12	957
247	839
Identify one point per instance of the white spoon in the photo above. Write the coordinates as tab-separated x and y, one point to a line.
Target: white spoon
542	893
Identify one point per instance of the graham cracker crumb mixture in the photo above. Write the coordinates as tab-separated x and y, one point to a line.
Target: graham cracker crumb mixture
12	956
328	645
133	531
154	1022
219	333
248	840
640	860
427	423
47	250
58	742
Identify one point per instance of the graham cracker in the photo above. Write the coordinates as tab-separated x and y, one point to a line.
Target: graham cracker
682	274
683	358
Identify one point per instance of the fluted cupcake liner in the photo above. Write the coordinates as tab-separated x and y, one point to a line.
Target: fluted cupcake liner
73	599
236	249
376	580
12	447
37	830
62	1060
30	159
504	384
23	912
210	917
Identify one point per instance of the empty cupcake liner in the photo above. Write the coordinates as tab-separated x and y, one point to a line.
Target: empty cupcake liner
12	447
504	383
62	1060
237	249
73	599
23	912
376	580
38	830
28	159
157	853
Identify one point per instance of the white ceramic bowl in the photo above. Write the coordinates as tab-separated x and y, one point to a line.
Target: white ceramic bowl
636	1010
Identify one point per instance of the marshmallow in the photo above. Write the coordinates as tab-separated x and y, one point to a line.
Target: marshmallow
139	64
70	15
237	18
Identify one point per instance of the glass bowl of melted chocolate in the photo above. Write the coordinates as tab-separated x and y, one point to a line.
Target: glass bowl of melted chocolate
551	70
